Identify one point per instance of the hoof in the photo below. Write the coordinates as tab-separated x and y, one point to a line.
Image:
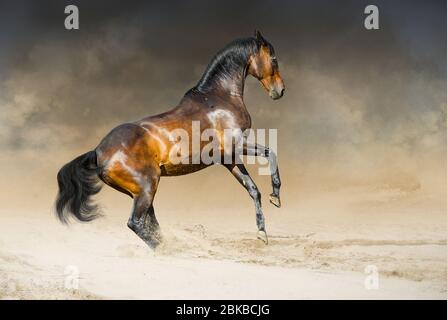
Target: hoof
262	236
153	243
275	201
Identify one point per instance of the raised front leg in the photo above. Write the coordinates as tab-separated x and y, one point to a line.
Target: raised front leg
260	150
241	174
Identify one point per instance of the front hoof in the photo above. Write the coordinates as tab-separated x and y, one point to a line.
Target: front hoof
275	200
262	235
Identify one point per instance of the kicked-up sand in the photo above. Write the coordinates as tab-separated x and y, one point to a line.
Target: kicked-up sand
385	244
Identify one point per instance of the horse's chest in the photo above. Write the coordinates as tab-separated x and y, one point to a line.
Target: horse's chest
221	119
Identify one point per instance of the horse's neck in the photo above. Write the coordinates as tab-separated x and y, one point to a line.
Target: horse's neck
225	82
227	85
232	85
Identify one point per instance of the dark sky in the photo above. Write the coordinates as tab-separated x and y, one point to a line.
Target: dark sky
350	91
193	30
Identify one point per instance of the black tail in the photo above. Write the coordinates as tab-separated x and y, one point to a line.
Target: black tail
78	181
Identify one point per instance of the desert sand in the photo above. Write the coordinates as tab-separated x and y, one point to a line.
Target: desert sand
362	149
320	245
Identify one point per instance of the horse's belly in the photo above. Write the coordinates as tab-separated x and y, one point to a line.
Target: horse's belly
170	169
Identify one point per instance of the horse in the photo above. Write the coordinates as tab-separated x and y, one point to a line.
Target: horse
133	156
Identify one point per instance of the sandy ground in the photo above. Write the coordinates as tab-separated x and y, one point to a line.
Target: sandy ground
318	249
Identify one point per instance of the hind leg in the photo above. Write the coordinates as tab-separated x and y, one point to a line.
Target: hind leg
129	159
143	221
141	185
151	224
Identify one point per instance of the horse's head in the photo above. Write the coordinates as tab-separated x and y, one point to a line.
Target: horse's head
263	65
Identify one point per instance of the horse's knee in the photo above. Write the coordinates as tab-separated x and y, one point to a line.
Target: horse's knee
254	193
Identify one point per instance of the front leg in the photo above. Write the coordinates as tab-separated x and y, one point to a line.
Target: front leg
241	174
260	150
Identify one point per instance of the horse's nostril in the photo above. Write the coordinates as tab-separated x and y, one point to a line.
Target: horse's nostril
282	91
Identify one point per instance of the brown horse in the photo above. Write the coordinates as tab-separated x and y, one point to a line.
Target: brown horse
133	156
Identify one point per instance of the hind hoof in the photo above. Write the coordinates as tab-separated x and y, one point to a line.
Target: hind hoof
275	200
262	235
153	243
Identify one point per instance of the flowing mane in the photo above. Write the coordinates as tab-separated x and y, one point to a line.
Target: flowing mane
228	66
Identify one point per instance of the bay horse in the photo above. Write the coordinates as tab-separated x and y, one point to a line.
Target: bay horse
133	156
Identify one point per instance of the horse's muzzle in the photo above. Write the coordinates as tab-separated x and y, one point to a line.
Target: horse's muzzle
276	94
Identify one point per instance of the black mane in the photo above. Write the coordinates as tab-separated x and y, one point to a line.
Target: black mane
228	65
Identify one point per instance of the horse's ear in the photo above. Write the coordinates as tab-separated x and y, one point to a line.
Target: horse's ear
259	38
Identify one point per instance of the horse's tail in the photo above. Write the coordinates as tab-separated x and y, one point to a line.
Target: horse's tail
78	180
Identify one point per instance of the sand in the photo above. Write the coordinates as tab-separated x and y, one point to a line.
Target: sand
319	249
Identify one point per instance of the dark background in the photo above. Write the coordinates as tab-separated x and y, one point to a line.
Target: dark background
361	107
